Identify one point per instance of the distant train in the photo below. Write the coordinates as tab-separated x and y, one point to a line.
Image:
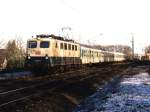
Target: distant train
55	52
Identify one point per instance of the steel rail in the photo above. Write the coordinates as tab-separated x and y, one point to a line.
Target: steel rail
82	78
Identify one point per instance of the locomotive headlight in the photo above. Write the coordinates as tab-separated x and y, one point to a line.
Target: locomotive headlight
46	57
29	57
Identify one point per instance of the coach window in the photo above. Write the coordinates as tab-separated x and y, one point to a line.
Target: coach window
44	44
69	46
72	47
84	52
65	46
75	47
61	46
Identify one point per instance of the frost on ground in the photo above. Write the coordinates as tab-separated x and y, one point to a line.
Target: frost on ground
132	95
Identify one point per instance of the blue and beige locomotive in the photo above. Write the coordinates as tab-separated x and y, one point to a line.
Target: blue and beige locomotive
50	51
55	52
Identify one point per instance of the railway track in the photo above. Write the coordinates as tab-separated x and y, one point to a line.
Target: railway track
11	97
12	85
27	81
23	93
15	95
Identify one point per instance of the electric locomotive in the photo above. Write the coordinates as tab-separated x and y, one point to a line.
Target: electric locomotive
50	52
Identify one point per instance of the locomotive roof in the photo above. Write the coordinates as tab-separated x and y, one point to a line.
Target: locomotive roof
54	37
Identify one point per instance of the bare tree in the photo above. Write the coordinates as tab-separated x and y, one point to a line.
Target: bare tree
15	54
21	51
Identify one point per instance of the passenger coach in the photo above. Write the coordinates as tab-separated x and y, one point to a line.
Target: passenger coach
90	55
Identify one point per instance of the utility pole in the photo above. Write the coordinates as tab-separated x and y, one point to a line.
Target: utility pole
67	29
132	46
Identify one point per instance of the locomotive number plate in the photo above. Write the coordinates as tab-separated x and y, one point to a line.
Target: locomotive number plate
37	52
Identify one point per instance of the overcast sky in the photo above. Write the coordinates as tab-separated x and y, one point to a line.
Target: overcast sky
100	21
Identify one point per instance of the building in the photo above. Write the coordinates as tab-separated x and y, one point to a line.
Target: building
3	60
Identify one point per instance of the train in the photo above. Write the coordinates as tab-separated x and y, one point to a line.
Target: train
51	52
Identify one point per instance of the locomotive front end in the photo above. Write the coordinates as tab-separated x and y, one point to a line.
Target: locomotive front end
38	50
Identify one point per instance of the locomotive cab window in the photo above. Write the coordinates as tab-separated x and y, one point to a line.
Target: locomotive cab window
32	44
44	44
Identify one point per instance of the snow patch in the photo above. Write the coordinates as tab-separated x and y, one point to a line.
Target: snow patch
132	95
